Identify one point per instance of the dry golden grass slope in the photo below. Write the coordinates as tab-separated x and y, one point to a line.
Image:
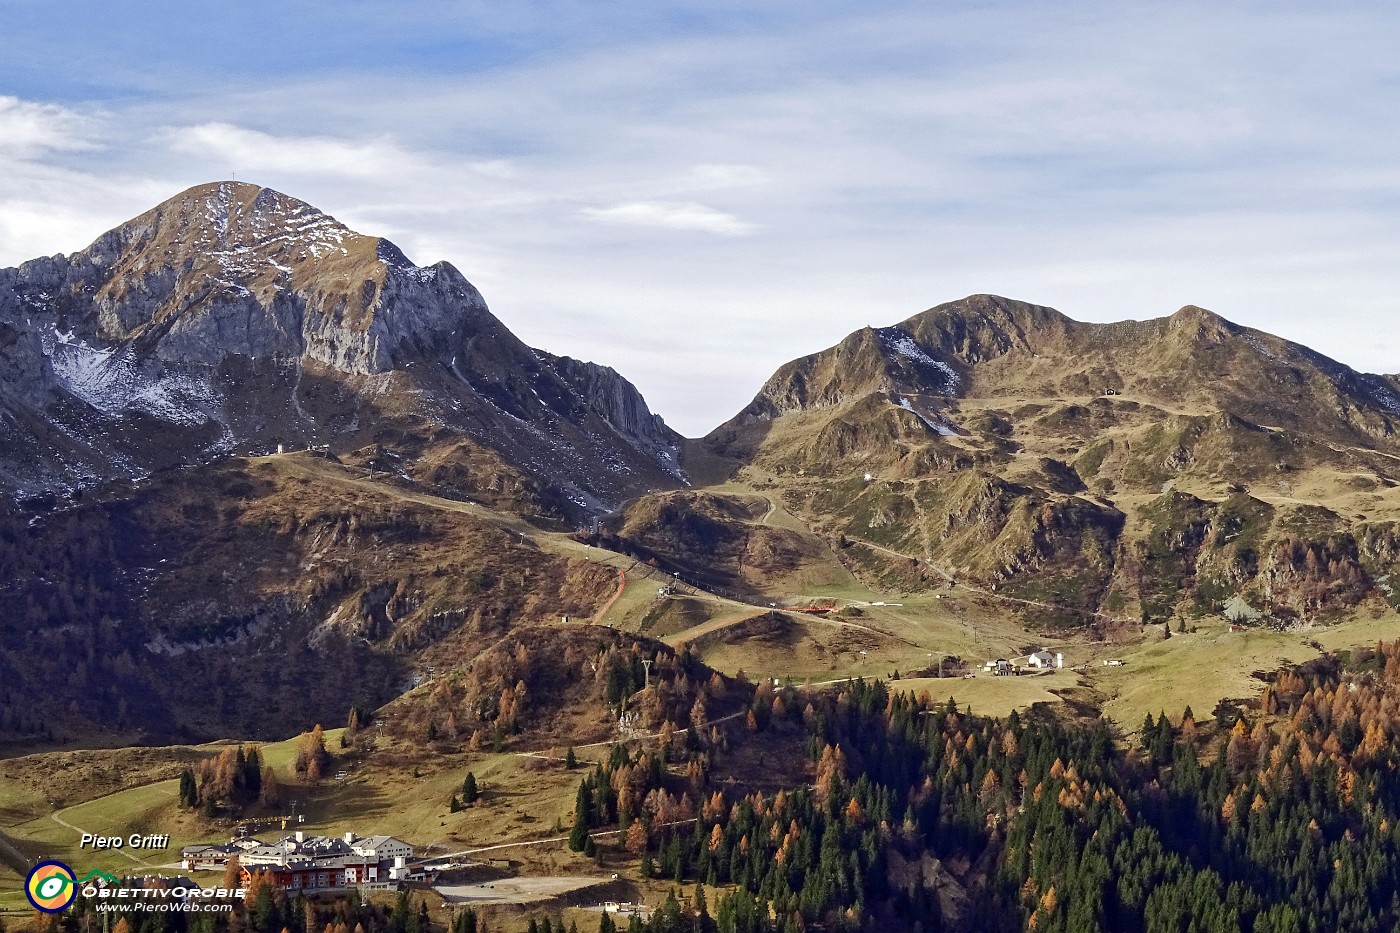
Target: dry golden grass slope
1138	471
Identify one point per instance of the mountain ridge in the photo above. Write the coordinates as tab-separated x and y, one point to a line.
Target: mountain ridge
237	318
1149	470
1128	473
947	342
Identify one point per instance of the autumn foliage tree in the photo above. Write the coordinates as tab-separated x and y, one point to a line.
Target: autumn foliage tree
233	778
271	796
311	757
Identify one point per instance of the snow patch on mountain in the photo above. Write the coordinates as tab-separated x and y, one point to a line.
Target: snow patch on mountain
904	345
1258	344
1382	394
112	382
942	427
669	458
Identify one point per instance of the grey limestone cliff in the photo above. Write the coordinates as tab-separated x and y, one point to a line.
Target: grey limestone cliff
232	317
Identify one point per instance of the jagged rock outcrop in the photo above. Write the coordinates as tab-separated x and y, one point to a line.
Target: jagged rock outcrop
617	402
233	318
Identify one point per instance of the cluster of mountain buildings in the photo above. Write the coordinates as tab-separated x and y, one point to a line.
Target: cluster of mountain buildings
1042	660
302	862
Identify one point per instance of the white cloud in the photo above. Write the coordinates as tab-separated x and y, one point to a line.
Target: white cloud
29	129
255	151
26	224
672	215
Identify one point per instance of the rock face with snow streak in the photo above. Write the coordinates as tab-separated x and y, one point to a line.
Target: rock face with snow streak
985	346
232	318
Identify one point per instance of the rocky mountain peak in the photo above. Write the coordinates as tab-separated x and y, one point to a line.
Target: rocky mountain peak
210	220
929	354
1007	314
1196	324
207	312
236	269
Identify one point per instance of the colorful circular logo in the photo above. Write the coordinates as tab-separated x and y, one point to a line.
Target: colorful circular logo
51	886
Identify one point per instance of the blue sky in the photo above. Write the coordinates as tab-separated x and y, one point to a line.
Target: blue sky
694	194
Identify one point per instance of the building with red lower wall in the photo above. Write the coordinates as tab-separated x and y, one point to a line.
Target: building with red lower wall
325	874
311	864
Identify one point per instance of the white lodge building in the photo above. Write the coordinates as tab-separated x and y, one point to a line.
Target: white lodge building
311	863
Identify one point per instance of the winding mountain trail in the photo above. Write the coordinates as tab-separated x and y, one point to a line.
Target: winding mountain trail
598	834
562	543
557	542
768	515
602	614
617	740
718	625
954	582
82	832
14	856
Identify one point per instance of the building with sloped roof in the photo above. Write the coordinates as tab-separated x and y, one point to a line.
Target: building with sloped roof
312	864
